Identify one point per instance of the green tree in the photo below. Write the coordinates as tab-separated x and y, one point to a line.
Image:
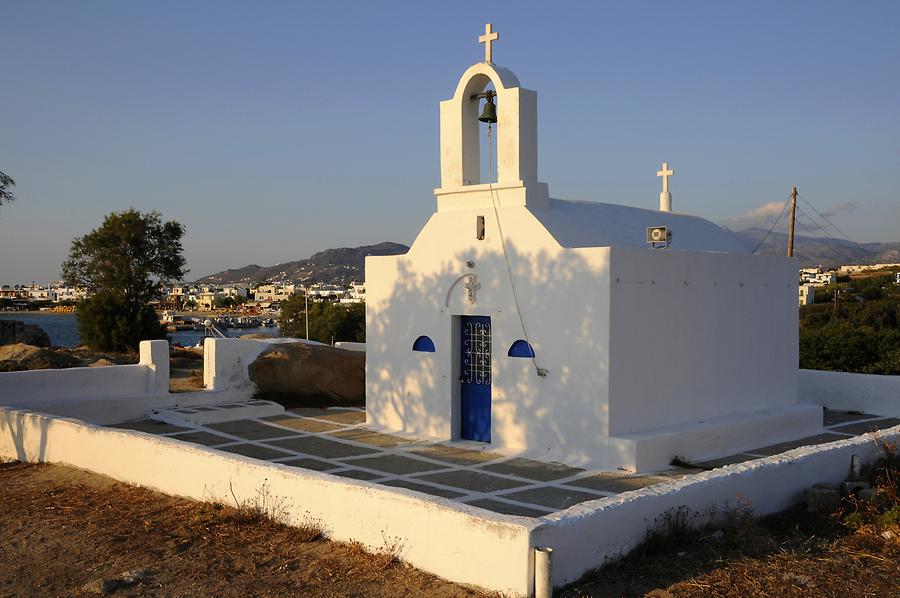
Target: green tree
327	321
6	185
125	263
227	302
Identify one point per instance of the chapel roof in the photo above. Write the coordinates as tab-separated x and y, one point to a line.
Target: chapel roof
594	224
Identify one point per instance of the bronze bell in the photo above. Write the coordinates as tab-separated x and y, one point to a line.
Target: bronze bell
489	114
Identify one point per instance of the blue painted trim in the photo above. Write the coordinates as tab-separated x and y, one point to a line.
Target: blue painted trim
423	343
521	348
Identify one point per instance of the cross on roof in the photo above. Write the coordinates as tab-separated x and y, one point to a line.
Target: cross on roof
487	39
665	173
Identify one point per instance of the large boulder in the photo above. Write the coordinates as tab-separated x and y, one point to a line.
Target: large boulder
309	374
14	332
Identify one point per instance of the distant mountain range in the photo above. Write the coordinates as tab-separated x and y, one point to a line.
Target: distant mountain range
332	266
347	264
821	251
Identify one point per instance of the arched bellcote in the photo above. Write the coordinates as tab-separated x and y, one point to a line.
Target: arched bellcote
515	135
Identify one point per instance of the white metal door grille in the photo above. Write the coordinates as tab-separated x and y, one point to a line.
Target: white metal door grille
477	353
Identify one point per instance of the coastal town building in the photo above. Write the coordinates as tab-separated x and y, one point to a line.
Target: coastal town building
807	294
274	292
857	268
817	276
40	293
355	294
584	332
326	292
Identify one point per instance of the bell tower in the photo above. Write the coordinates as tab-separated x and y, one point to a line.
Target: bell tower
516	139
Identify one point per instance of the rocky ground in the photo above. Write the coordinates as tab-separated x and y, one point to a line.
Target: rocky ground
71	533
19	356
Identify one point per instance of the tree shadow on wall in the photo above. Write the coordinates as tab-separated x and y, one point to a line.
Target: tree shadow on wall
563	298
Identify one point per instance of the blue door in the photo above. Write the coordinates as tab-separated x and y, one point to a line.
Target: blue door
475	378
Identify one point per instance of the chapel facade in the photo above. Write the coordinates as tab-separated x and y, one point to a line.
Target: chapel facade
549	328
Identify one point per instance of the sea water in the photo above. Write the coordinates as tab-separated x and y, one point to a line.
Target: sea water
63	329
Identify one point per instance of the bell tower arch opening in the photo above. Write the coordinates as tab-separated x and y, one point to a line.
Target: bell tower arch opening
488	132
511	151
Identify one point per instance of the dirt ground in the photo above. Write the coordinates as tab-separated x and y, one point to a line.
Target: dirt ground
789	554
185	369
66	531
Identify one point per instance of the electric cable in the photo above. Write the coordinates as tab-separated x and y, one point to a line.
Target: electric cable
774	224
833	248
540	371
826	219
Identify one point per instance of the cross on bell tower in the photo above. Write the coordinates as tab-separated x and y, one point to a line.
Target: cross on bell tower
516	180
487	39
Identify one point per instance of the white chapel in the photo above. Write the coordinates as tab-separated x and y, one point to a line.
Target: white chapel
592	334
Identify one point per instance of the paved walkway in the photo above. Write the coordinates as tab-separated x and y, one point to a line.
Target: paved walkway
334	441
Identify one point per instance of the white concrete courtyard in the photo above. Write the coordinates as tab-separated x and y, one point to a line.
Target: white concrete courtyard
336	441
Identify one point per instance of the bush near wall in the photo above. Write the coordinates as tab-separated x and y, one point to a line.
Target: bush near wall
328	322
107	322
861	333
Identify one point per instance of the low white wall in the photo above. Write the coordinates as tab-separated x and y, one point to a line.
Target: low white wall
351	346
844	391
148	377
226	361
448	539
112	394
591	533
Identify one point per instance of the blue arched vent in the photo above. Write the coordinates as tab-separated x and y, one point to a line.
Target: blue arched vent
521	348
423	343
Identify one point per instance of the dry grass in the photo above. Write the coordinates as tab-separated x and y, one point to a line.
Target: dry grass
854	552
64	528
264	508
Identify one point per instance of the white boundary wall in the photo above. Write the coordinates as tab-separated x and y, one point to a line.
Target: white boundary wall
148	377
448	539
226	361
106	394
119	393
844	391
591	533
461	543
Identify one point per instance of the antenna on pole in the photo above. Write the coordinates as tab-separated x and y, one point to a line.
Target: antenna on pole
793	215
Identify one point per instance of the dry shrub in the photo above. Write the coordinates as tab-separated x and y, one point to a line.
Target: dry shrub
880	515
378	562
266	508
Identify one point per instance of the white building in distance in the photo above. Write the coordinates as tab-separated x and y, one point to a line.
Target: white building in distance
807	294
550	328
817	277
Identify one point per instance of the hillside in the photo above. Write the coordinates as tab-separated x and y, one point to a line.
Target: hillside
822	251
347	264
332	266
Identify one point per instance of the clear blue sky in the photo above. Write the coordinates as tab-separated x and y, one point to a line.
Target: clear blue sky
274	130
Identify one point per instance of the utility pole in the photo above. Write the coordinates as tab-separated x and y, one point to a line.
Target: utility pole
793	216
306	309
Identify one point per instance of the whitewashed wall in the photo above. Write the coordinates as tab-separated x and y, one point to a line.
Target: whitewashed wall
118	393
148	377
591	533
452	540
563	295
844	391
700	334
705	368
